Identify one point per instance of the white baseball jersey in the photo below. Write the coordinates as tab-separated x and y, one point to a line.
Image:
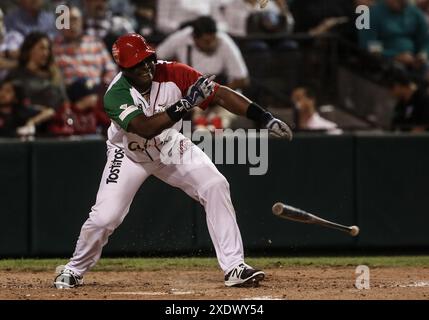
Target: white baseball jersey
123	102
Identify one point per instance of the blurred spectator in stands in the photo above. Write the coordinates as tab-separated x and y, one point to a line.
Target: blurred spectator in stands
412	109
29	17
14	112
212	52
307	117
207	50
424	6
124	8
85	114
398	31
101	22
348	30
39	78
9	48
145	17
317	17
80	55
245	17
172	15
273	18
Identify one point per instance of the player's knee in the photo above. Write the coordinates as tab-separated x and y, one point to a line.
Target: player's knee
216	188
104	223
106	220
219	183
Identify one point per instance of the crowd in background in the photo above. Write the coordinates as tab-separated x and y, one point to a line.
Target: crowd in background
52	80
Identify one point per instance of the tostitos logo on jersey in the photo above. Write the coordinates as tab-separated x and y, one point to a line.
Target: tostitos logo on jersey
115	166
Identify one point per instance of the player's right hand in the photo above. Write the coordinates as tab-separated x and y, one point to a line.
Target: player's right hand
200	90
278	128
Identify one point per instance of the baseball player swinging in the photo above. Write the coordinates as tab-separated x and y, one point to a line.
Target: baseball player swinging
146	102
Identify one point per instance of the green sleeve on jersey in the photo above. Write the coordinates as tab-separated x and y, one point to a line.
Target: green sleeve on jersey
120	107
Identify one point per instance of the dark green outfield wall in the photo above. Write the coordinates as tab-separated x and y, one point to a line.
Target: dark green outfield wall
15	213
379	182
392	191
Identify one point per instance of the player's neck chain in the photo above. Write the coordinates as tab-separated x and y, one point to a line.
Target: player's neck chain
145	92
146	95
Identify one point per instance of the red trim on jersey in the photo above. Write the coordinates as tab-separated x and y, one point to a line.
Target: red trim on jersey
183	76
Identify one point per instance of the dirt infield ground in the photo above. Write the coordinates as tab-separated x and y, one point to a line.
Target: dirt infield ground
206	282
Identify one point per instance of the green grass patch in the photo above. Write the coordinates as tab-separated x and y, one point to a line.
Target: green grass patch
153	264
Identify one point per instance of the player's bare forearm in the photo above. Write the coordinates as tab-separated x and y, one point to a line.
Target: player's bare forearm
232	101
149	127
240	105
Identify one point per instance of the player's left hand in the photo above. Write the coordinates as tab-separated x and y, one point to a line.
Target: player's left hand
278	128
200	90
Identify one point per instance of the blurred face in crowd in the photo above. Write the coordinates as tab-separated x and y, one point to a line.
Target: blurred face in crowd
96	8
76	25
400	91
142	74
40	52
207	43
302	101
7	94
31	5
396	5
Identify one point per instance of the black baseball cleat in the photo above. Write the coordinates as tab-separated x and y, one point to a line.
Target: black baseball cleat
67	279
244	276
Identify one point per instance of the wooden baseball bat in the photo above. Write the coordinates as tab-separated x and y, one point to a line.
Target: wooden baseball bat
288	212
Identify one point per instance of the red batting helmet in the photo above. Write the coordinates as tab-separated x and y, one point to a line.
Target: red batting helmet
131	49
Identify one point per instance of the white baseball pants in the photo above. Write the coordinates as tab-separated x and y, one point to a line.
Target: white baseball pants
122	178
